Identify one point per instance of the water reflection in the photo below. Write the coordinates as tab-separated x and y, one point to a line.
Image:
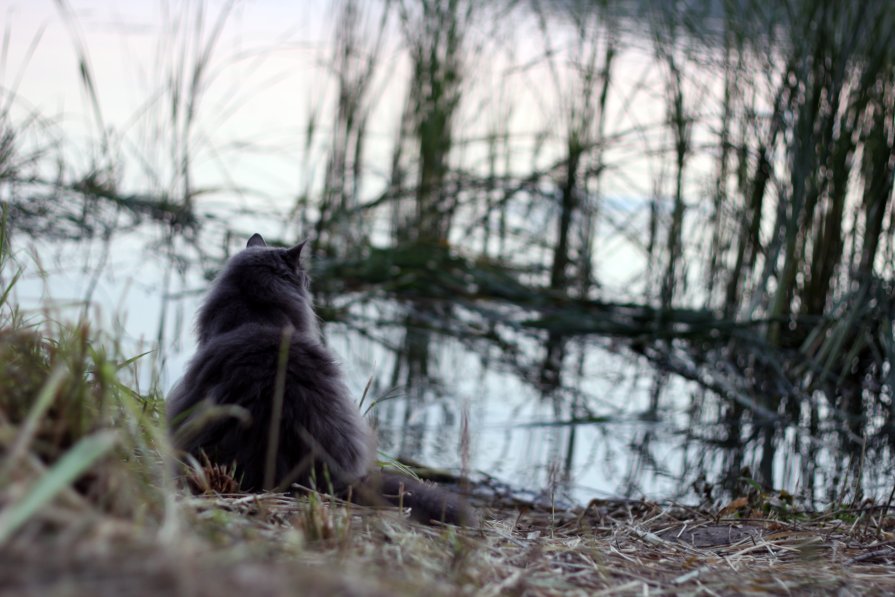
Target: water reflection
625	242
572	416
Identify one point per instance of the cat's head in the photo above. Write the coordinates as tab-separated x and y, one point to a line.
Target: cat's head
262	285
260	259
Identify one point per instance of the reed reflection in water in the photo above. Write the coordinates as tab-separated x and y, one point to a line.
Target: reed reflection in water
518	203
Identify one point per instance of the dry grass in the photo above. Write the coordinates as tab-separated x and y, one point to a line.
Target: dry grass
273	544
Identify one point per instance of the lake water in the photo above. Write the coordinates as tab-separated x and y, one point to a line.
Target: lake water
599	422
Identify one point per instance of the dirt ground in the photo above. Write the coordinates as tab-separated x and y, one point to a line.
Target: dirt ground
281	545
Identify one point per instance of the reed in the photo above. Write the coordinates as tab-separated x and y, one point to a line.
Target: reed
357	52
435	33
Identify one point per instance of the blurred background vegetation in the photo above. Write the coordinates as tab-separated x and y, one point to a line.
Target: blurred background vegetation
688	195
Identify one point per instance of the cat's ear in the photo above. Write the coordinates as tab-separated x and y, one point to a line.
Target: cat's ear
294	254
256	241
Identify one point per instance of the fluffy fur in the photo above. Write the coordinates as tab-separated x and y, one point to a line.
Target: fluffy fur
260	351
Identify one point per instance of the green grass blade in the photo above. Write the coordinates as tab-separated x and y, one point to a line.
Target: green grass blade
77	460
132	360
29	427
6	291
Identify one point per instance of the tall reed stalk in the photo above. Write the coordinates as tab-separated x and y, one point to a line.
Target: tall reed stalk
583	94
355	63
435	32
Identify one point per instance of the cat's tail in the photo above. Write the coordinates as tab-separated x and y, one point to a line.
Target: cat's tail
428	503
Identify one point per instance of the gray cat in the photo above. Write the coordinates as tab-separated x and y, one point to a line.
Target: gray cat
260	350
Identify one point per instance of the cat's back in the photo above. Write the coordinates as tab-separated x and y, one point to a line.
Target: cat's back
241	367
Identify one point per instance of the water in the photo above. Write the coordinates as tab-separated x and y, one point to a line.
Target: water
586	416
640	433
